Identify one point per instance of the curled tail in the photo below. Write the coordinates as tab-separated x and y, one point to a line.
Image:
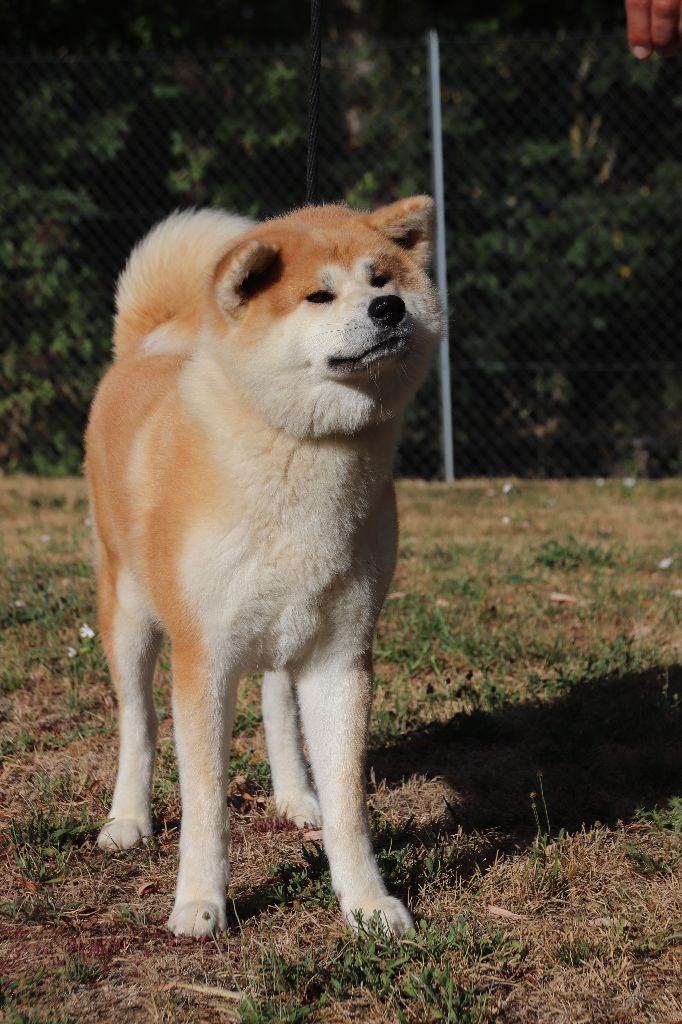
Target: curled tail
161	292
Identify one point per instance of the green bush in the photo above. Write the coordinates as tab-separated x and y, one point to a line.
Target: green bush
563	178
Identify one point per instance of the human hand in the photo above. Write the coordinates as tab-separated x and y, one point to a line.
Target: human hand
653	25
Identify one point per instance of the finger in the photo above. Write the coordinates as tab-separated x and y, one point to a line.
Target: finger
639	27
669	51
665	15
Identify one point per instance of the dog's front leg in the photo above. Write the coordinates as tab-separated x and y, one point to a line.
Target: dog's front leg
203	715
335	697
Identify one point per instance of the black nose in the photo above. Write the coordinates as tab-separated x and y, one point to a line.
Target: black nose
387	310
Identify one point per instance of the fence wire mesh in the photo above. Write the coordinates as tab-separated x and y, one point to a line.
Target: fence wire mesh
563	180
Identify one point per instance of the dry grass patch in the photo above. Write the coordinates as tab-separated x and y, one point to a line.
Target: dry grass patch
524	782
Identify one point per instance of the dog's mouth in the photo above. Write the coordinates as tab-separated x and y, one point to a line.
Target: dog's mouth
388	348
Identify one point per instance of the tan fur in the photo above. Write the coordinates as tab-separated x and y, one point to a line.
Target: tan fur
242	497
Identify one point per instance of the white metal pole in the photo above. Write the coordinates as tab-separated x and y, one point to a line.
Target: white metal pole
440	257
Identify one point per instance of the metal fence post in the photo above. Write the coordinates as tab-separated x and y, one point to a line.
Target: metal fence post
433	50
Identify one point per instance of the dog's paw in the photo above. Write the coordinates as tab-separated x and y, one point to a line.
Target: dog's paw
200	919
394	917
301	808
122	833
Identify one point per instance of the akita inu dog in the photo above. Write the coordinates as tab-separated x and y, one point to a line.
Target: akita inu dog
239	459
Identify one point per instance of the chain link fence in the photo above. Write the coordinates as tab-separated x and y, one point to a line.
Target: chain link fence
563	185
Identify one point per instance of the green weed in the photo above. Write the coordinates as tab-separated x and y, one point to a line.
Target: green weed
47	501
41	846
397	971
652	946
246	720
309	882
257	772
26	989
667	819
648	865
571	554
575	952
78	971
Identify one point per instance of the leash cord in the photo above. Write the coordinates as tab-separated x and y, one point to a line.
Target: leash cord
311	191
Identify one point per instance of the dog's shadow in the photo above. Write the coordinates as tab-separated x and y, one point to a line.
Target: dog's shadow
598	753
595	754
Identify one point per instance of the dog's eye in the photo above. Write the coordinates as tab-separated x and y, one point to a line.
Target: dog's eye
320	297
379	281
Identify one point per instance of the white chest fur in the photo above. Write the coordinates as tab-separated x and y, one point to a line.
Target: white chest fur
298	563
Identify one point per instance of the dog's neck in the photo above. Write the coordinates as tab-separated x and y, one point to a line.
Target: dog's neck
252	455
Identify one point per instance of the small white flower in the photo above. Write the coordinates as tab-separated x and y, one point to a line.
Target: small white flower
600	481
44	537
86	632
507	488
71	651
665	563
19	604
88	521
629	481
506	520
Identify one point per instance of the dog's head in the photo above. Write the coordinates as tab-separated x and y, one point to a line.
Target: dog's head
326	317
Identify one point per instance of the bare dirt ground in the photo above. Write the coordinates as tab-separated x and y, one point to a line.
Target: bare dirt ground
525	781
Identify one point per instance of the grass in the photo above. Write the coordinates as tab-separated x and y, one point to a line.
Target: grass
525	781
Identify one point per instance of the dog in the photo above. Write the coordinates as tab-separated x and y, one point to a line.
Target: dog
239	457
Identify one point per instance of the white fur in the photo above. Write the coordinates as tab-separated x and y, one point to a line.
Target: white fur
298	599
286	373
167	340
153	274
136	644
293	793
335	697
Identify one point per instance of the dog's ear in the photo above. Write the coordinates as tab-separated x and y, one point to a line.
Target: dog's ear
242	272
410	224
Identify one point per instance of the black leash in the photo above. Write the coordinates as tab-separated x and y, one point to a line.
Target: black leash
314	104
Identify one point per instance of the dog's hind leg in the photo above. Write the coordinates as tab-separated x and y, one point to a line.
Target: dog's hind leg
131	642
294	796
